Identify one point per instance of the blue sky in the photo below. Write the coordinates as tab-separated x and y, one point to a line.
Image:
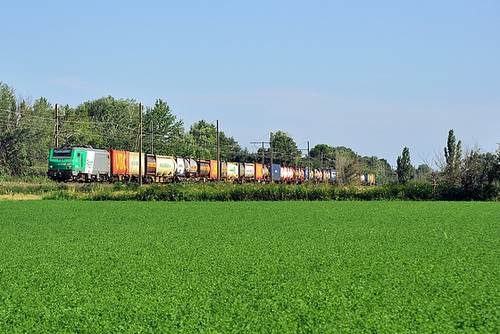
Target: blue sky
374	76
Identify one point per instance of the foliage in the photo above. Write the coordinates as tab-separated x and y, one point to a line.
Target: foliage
167	130
201	141
404	167
424	173
453	157
275	267
479	176
25	134
179	192
285	151
347	167
113	123
324	156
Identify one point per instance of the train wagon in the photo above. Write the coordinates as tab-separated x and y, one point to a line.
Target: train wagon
79	164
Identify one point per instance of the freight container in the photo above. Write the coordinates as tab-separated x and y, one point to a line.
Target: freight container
192	170
165	166
276	172
134	164
288	173
250	171
204	168
213	169
119	163
180	167
232	170
223	169
266	172
241	170
151	165
259	171
301	174
326	175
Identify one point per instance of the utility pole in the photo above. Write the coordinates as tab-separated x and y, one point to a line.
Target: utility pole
308	161
218	154
140	144
56	112
152	137
263	153
271	150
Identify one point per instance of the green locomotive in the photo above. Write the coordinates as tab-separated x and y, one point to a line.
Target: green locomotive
78	164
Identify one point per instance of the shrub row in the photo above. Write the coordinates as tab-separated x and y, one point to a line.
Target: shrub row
417	191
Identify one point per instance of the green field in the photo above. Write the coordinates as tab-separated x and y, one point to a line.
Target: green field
71	266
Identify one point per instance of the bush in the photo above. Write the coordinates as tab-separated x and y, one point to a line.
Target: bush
414	191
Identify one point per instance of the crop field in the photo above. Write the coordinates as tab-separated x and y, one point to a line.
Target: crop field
73	266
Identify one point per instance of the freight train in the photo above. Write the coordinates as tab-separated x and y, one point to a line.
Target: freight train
84	164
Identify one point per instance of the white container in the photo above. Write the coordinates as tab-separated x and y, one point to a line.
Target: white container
165	165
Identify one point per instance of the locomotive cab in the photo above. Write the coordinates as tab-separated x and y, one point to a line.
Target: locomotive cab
78	164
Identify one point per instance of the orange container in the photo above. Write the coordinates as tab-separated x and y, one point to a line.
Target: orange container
259	171
119	162
213	169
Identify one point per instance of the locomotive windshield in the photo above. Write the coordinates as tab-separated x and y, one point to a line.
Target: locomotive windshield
62	153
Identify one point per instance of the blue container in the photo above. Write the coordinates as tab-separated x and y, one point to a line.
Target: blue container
276	172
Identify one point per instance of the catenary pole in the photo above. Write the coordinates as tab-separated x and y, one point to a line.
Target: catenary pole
151	137
56	114
263	154
140	144
308	161
271	151
218	154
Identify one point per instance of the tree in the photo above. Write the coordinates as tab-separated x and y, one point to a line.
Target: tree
423	172
347	166
8	107
285	150
113	123
74	127
202	143
26	142
453	157
404	167
7	122
167	130
479	175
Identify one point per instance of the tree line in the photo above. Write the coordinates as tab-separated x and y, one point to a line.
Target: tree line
462	174
27	133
